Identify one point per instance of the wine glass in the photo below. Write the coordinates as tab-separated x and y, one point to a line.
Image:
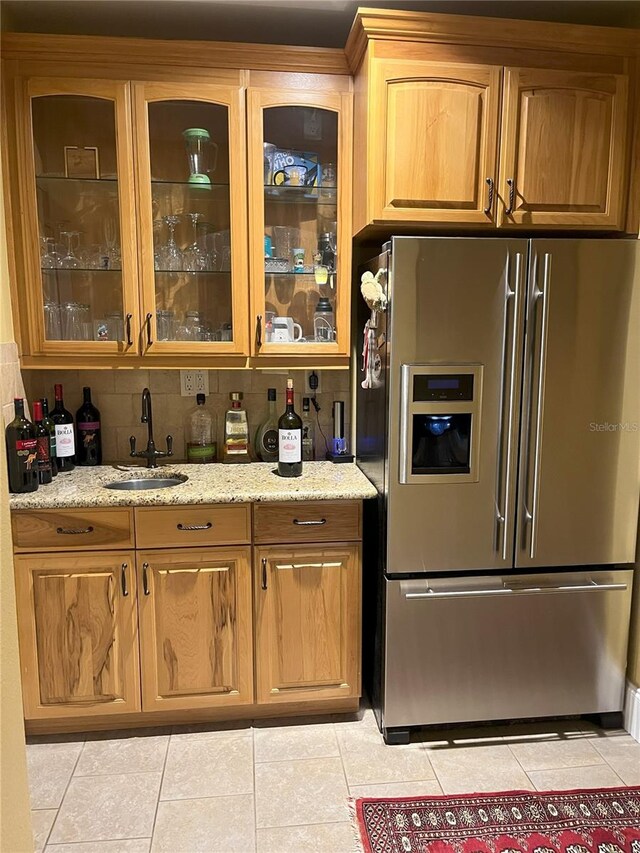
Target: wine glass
195	259
49	258
110	229
170	255
70	260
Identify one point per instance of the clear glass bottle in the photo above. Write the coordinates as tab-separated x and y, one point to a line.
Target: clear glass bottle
267	435
236	431
308	432
324	322
200	431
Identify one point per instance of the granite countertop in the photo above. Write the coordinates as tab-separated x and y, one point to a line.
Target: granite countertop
207	484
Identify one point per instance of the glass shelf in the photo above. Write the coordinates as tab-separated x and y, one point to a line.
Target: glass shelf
62	179
291	274
80	269
188	184
300	195
193	272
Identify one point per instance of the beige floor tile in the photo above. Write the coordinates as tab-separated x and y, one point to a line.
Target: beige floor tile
212	825
424	788
368	760
133	754
124	845
289	793
285	743
41	823
596	776
50	767
314	838
239	728
208	767
622	752
478	769
106	808
554	755
541	730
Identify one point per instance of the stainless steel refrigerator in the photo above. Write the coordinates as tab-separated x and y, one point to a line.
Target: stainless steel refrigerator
501	431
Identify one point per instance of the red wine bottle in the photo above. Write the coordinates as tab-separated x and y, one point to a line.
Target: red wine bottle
290	439
20	437
65	437
43	447
51	429
89	435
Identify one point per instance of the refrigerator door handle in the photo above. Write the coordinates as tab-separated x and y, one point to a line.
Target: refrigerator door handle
509	349
532	500
533	590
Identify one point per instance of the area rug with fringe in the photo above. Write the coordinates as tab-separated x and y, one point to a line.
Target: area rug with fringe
603	820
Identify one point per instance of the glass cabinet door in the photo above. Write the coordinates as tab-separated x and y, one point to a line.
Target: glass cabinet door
300	173
80	242
191	156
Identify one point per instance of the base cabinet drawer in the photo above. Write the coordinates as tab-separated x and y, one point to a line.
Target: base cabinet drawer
184	526
195	628
308	521
78	632
65	530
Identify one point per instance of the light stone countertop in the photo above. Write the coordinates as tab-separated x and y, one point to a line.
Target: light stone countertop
207	484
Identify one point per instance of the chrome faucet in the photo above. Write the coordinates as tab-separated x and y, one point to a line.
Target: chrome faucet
150	454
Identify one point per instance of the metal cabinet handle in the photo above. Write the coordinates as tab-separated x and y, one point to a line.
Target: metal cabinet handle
123	579
206	526
145	579
488	208
512	196
148	319
535	590
73	531
128	329
310	523
264	572
259	330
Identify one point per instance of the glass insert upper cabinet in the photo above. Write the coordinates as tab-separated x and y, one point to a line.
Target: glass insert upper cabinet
299	232
191	167
80	249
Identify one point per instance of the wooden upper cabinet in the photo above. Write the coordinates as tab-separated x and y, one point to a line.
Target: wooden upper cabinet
195	628
563	149
307	622
78	634
433	141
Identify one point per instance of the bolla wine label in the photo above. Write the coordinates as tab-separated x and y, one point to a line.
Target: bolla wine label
65	443
290	445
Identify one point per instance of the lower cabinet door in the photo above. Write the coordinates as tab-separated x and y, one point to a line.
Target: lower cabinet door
77	624
308	619
195	627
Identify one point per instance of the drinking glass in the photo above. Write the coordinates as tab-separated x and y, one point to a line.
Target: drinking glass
170	254
70	260
52	321
285	240
165	325
192	328
70	314
194	258
84	323
115	326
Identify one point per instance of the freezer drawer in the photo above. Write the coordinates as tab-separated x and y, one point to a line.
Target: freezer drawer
505	647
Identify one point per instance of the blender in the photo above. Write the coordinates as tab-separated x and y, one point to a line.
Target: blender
200	150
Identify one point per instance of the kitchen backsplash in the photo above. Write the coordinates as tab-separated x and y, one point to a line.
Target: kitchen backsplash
116	393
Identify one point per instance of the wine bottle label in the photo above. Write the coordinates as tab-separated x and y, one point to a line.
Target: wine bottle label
201	452
43	453
89	426
65	444
270	441
27	451
290	445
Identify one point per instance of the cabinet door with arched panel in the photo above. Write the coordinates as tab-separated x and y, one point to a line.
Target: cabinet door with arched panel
190	142
299	222
78	216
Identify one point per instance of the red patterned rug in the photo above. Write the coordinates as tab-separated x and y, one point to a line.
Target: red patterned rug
605	820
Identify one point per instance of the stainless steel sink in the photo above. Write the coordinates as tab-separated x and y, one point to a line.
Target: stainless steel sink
141	483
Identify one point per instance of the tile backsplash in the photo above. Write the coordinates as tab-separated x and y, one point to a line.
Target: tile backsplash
117	394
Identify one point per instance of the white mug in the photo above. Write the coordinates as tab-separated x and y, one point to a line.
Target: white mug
285	331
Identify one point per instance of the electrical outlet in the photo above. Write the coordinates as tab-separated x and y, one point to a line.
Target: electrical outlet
194	382
308	390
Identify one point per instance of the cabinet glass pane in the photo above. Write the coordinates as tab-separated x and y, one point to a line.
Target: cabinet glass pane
189	147
78	217
301	173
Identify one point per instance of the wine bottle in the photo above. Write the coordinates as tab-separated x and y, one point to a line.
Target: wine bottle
21	442
267	435
43	446
89	434
51	429
308	432
65	436
290	439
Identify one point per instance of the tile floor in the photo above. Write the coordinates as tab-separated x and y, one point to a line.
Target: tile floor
272	788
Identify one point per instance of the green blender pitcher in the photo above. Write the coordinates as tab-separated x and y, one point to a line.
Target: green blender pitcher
202	154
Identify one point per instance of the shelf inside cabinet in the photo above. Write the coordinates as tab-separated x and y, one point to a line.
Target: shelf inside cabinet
79	269
61	179
300	195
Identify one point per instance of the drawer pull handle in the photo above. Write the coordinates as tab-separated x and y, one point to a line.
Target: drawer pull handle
145	579
72	531
264	573
310	523
123	579
206	526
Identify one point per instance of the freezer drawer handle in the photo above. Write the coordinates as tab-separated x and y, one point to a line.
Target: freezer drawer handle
535	590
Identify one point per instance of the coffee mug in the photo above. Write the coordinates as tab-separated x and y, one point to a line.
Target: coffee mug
294	175
285	331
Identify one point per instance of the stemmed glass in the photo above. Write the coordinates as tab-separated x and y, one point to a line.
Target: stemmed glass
110	237
195	259
70	260
170	254
49	258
